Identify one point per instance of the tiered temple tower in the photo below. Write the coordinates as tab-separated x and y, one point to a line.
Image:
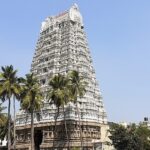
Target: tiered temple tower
62	46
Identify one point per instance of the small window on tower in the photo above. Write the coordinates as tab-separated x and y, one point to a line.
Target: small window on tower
38	116
43	81
51	27
45	70
59	26
62	24
46	59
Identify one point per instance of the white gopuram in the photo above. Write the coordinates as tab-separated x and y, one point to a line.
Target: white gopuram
61	47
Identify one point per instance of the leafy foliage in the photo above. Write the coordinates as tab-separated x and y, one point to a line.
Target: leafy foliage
76	85
4	130
3	116
31	95
3	123
58	93
9	83
9	87
130	138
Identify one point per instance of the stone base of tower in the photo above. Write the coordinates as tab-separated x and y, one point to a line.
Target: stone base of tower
47	137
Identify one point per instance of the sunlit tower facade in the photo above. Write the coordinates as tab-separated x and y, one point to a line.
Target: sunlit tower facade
61	47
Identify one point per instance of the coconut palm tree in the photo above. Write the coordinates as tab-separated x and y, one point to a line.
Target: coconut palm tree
58	95
31	100
9	87
16	95
77	89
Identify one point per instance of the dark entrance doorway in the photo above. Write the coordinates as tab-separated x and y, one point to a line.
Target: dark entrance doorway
38	136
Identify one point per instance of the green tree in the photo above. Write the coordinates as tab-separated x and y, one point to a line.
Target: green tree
31	100
3	123
9	87
130	138
59	96
3	117
4	130
144	133
77	87
118	136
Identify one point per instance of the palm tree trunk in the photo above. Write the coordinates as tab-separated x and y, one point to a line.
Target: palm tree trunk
14	125
9	121
55	126
32	130
66	128
79	126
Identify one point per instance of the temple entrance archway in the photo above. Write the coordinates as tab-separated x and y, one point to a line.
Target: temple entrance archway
38	137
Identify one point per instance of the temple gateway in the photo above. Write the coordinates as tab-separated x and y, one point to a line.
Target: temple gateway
62	46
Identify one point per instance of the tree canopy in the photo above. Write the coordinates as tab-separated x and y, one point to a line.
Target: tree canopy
131	137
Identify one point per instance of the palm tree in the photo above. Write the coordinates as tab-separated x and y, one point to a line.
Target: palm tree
9	87
58	95
77	89
16	95
31	100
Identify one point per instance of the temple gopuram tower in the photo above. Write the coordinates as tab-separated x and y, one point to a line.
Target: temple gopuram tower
61	47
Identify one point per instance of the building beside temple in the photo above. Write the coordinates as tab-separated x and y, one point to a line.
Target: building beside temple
61	47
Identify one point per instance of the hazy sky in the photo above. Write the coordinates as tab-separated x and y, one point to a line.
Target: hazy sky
118	32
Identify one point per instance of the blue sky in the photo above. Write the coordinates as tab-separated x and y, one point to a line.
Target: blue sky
119	38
